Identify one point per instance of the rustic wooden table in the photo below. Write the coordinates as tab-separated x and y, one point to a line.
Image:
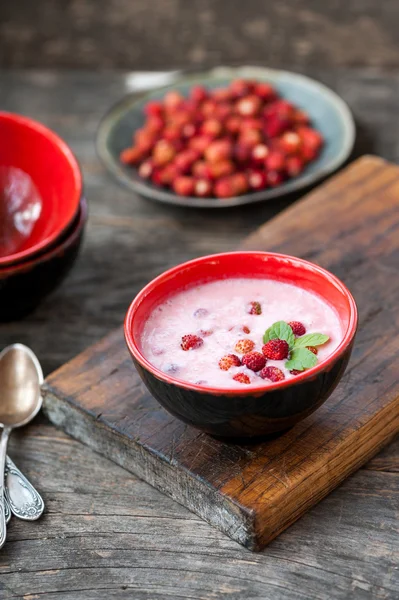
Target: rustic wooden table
105	533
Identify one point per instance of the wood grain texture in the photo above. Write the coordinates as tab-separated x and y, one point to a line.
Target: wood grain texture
254	491
106	534
151	34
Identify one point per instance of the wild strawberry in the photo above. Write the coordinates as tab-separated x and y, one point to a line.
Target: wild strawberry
310	138
250	137
233	124
308	154
280	107
275	161
228	361
254	308
155	124
131	156
294	165
275	126
218	150
203	188
274	374
198	93
242	378
244	346
188	130
163	153
239	183
191	342
259	153
156	177
184	185
200	313
144	139
297	327
224	111
254	361
168	174
312	349
221	168
211	127
248	106
251	123
224	188
265	91
222	95
242	152
290	142
185	159
295	372
200	143
300	117
275	178
202	170
276	349
172	100
241	87
171	133
154	108
257	179
246	329
208	108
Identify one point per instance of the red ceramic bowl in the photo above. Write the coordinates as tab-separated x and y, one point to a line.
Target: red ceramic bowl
258	410
46	158
23	286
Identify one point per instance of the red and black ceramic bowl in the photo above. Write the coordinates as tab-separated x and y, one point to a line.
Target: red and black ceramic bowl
32	156
23	286
257	410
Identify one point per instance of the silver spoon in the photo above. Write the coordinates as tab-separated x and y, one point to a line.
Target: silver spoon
20	400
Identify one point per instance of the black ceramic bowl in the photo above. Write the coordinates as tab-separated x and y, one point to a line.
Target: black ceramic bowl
23	286
264	409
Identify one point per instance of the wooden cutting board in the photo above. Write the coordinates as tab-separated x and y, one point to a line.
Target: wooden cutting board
252	492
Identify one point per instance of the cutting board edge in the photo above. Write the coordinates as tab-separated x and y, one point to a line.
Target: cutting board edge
234	520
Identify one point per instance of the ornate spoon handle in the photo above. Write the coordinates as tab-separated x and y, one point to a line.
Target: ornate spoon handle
24	500
7	511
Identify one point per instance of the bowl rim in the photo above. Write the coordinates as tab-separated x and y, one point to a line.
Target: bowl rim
253	390
56	140
164	196
81	218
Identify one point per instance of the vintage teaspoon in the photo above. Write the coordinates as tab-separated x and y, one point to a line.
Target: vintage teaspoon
20	400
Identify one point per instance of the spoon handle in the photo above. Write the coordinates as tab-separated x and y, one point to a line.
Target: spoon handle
3	450
24	500
7	511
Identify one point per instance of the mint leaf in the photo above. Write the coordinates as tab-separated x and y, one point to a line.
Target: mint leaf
311	339
280	331
301	359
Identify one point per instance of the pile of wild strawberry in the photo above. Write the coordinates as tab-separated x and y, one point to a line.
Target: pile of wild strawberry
281	341
223	142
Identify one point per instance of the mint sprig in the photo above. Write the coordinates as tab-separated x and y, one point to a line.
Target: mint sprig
280	331
301	359
311	339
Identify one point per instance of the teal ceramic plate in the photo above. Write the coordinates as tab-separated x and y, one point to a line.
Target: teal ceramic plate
329	114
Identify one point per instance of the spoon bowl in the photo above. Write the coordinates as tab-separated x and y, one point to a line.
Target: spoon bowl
20	379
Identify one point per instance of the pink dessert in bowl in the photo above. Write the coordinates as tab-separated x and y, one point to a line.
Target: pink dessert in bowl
242	343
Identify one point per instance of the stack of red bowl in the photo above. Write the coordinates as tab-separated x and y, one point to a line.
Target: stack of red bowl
42	213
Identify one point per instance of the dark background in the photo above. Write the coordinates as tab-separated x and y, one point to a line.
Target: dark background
159	34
